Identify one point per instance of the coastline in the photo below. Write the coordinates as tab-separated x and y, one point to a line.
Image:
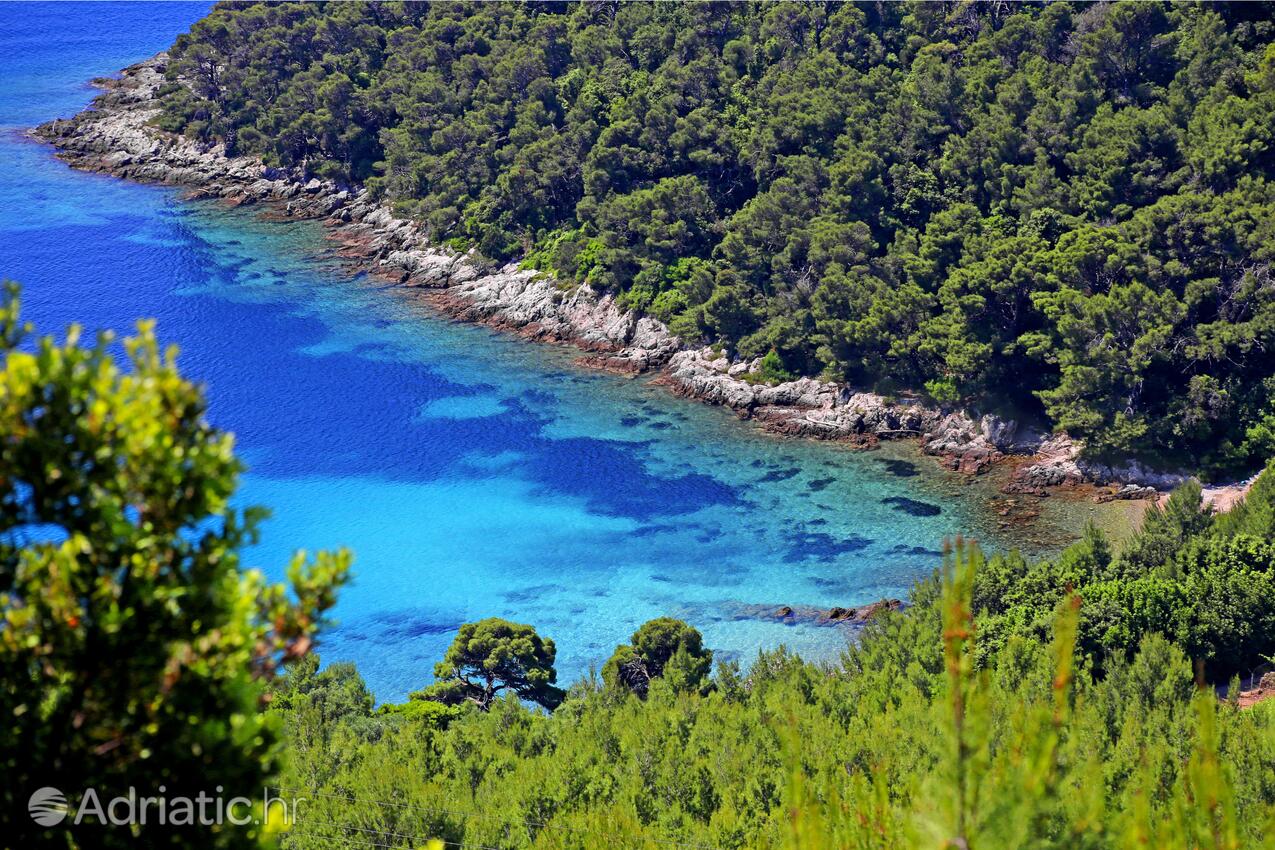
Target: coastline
113	136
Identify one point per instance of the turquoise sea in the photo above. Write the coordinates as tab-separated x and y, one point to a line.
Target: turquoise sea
472	473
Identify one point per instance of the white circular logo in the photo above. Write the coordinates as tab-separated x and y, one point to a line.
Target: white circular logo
47	807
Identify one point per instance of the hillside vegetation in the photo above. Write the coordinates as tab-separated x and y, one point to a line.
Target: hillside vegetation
1062	210
949	725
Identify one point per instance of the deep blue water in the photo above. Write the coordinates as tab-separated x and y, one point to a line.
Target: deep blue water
473	474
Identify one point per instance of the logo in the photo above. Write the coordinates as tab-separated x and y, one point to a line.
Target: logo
47	807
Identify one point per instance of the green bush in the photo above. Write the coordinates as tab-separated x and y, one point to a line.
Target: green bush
134	650
662	648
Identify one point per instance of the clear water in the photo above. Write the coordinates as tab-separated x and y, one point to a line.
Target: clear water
473	474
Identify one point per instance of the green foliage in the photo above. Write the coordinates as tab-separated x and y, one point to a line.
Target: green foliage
916	738
1205	580
133	648
423	711
495	655
661	648
1165	530
338	692
1064	206
772	368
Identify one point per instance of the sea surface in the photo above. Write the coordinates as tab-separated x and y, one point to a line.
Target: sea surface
473	474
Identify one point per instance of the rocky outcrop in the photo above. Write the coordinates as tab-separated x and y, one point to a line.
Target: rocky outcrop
1126	492
117	136
1058	462
793	615
1054	464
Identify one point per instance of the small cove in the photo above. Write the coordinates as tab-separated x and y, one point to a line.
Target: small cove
472	473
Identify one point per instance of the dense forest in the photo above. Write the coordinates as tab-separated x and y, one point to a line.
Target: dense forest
1089	701
1061	210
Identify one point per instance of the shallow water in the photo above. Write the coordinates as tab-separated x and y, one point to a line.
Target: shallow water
472	473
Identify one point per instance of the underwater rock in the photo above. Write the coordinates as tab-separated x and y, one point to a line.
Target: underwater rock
810	615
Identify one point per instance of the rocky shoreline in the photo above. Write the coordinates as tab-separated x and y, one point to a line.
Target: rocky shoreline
115	137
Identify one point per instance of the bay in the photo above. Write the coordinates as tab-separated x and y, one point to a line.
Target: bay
473	474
